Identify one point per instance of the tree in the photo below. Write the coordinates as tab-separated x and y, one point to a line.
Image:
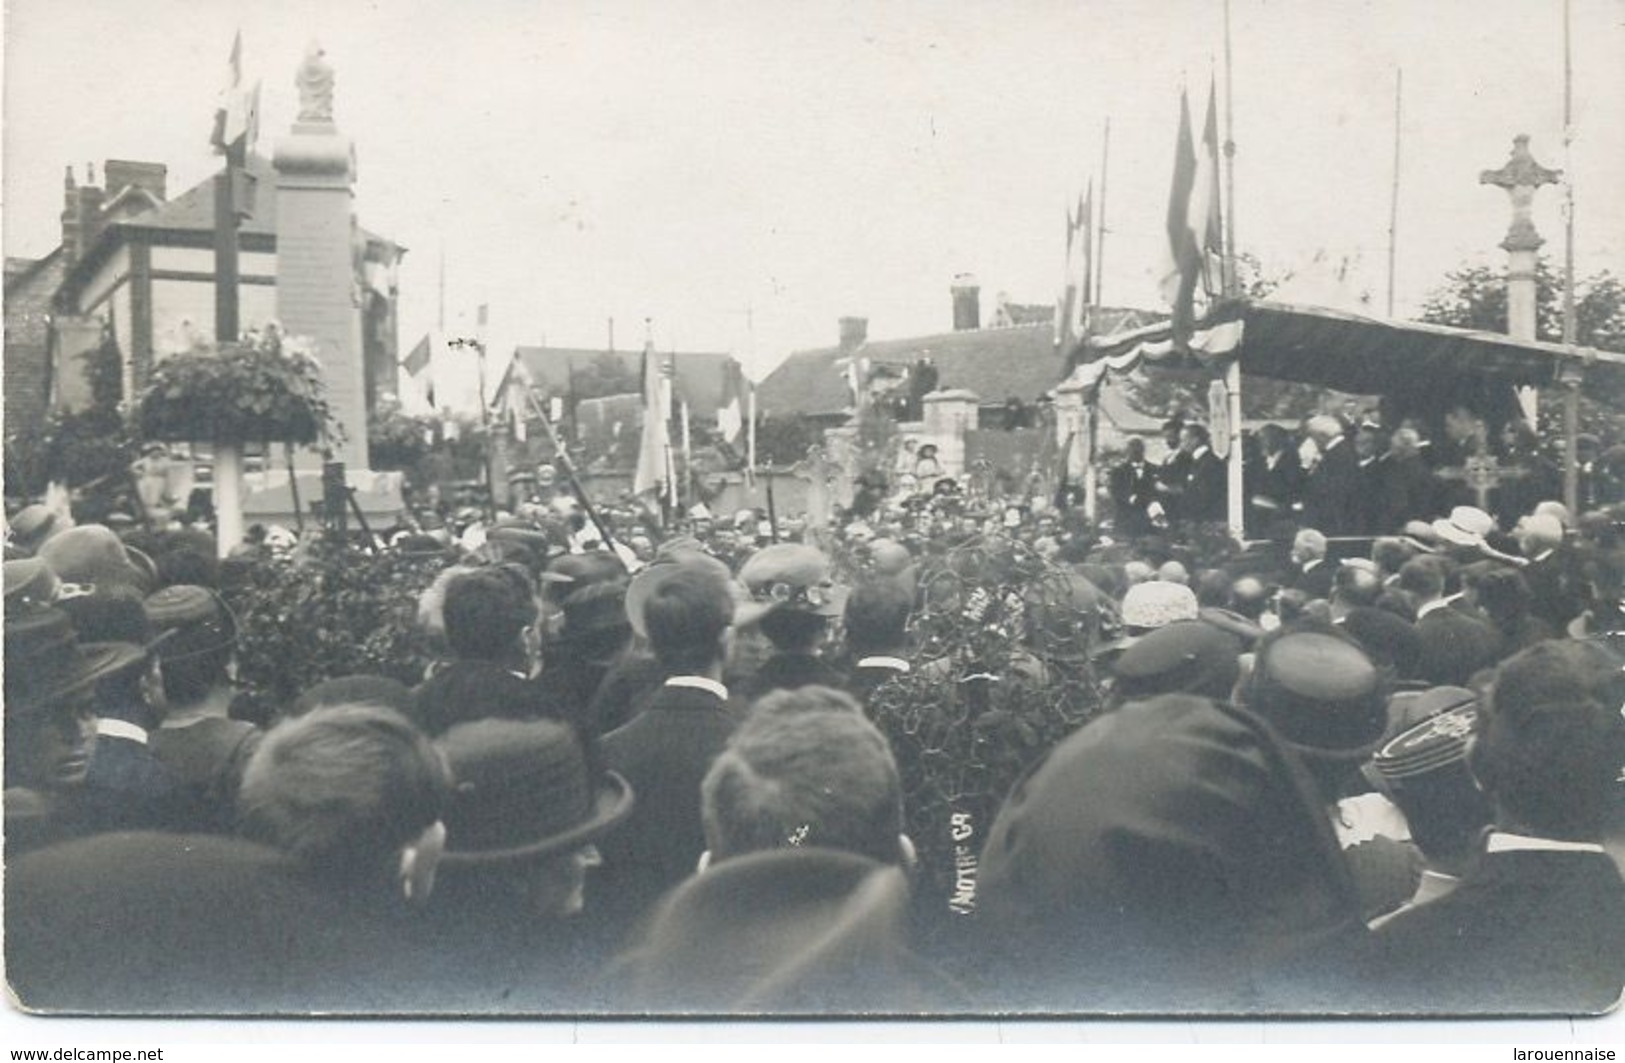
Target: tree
606	374
1475	297
89	450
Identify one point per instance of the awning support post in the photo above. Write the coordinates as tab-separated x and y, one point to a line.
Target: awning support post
1235	495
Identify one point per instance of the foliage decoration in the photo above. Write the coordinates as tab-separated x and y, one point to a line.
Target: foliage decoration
332	611
1006	674
397	440
264	387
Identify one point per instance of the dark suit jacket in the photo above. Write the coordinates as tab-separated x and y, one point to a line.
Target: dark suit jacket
1203	498
664	752
1407	490
1526	932
788	671
1552	596
1132	490
1330	494
1317	581
474	690
1454	646
1271	491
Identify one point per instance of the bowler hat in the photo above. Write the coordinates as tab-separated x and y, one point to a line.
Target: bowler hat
523	791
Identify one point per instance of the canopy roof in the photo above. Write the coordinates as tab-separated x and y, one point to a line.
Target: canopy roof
1334	349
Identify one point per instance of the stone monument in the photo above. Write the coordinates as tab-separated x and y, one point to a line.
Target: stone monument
1521	176
316	294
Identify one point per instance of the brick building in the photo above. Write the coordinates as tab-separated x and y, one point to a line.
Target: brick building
140	266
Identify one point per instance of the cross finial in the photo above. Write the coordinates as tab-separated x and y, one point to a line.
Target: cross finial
1520	177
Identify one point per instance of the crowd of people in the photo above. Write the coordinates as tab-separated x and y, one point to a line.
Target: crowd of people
648	771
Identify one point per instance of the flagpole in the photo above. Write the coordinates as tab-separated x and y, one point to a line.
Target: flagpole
1393	200
1571	393
1100	235
1232	283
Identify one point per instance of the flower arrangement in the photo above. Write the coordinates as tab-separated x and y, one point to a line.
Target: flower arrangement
264	387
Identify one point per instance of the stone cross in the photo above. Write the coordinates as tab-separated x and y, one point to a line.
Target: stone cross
1520	177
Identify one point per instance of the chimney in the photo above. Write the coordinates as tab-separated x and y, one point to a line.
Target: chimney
150	177
854	332
967	303
70	216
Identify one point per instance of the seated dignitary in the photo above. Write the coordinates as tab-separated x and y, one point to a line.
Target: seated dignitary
1538	925
520	840
802	903
345	804
665	751
1169	856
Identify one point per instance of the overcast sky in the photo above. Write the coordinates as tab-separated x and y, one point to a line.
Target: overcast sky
685	160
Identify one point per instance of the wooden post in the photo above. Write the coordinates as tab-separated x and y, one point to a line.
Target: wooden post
1235	494
228	497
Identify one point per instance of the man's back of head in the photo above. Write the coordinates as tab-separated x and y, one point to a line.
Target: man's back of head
687	616
876	617
485	612
348	790
805	769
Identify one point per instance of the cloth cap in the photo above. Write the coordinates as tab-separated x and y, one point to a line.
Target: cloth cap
1321	692
199	618
598	606
523	791
1390	641
1156	603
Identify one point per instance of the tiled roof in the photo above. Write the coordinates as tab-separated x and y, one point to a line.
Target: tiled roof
1017	361
698	378
194	208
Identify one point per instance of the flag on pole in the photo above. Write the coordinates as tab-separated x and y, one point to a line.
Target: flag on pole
731	414
1065	294
1194	240
654	448
237	109
420	363
1084	266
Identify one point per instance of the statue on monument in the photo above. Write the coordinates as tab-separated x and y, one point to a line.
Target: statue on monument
315	83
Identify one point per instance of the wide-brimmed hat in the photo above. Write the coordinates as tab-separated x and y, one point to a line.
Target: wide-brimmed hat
45	661
524	791
93	553
791	576
666	563
1466	526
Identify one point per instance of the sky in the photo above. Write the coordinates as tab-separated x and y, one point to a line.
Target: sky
744	174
